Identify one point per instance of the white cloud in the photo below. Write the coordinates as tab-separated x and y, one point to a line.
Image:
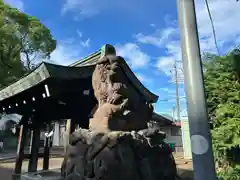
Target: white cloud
140	77
225	15
164	89
69	51
224	22
88	8
79	33
158	38
65	54
85	43
165	64
152	25
146	80
85	8
82	9
15	3
168	94
168	90
165	38
133	54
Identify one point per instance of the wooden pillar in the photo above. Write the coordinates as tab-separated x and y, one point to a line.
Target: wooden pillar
20	152
46	151
33	161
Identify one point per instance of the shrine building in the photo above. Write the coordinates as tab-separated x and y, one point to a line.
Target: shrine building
52	93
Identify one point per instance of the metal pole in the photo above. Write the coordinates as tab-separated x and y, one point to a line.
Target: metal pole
201	143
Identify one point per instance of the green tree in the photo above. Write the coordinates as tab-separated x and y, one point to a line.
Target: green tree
23	40
223	98
11	66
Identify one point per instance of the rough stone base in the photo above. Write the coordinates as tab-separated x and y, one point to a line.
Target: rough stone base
118	155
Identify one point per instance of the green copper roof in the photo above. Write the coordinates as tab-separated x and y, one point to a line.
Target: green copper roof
42	73
89	60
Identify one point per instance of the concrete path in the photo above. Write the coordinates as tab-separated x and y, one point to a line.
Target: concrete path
6	168
7	162
6	173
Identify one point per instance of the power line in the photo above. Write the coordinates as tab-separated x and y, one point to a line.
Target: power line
213	28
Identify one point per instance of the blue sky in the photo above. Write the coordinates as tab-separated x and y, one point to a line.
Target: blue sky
144	32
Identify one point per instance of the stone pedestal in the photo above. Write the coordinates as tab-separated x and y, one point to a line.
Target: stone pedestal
118	155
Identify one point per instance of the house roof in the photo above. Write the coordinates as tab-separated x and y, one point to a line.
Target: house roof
164	120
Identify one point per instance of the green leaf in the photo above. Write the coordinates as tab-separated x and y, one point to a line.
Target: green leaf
22	38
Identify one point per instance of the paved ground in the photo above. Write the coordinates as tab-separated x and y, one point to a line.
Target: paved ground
185	167
6	168
181	162
7	161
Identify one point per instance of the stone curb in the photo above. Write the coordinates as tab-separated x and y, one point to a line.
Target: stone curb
7	158
2	159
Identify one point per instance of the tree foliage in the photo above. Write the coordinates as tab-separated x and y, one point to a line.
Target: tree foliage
223	98
23	40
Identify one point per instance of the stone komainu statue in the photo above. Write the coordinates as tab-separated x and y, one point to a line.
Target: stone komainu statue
117	109
118	145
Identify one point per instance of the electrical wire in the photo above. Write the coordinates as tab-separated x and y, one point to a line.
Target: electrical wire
213	28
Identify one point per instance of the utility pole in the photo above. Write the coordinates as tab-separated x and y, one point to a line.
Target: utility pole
201	143
177	93
176	79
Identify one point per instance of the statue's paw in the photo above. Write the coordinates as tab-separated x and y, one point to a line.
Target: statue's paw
126	112
124	103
